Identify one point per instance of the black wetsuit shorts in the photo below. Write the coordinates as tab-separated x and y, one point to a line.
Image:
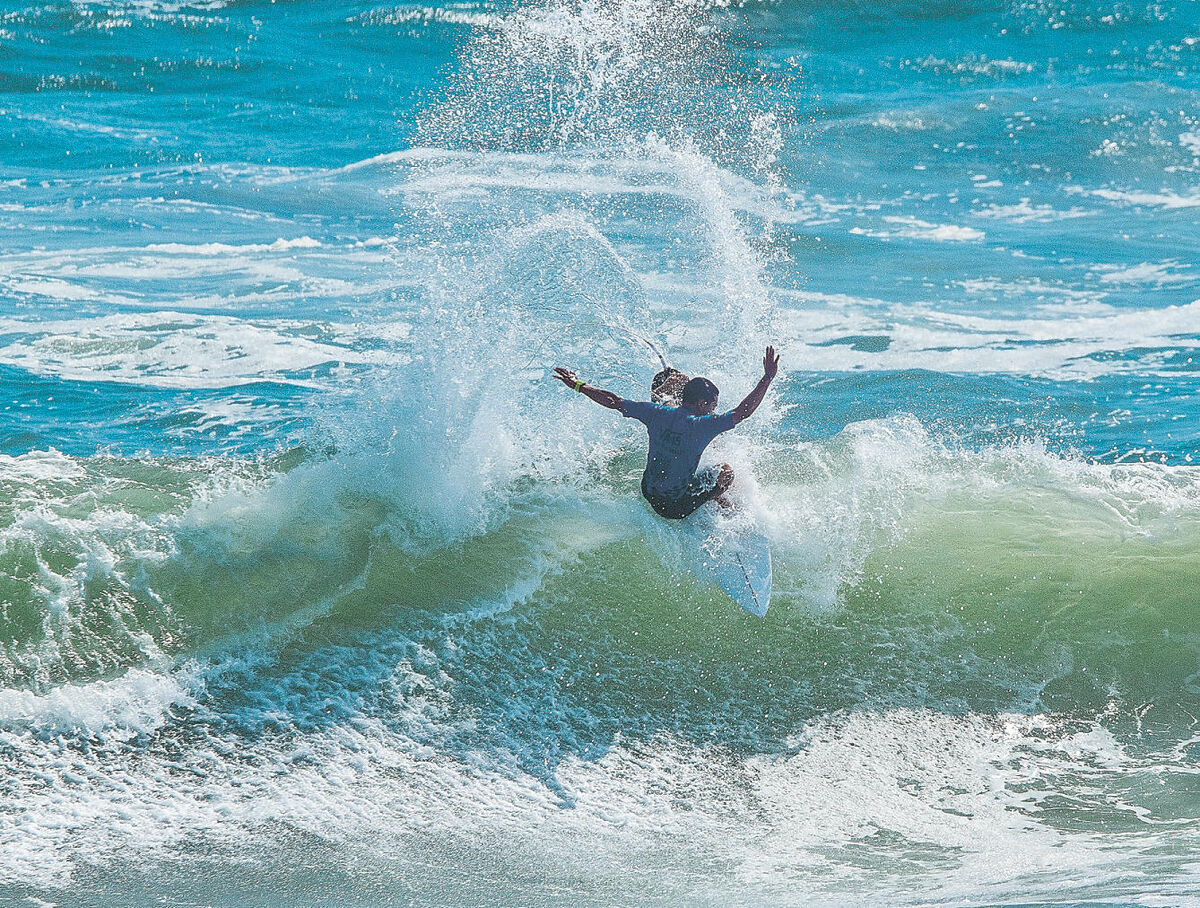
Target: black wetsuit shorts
701	489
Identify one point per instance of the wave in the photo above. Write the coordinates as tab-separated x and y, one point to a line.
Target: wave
334	642
179	350
1033	567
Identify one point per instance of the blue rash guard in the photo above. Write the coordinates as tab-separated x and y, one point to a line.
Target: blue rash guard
677	439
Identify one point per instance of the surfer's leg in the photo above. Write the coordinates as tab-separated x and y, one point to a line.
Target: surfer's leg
706	486
724	481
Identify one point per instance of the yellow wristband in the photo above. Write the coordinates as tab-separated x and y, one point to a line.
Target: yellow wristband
579	385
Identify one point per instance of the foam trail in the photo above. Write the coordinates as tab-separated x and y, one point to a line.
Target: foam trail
566	66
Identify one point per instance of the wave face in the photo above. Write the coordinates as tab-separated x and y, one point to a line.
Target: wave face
314	586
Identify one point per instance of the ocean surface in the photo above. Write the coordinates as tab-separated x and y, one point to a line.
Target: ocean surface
317	589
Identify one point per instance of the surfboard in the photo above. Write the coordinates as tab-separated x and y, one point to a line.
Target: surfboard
738	560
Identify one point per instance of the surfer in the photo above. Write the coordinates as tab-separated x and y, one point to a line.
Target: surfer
679	434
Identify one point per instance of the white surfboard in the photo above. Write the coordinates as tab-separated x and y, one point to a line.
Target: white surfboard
738	560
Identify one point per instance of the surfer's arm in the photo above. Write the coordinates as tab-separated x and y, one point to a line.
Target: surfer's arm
599	395
755	397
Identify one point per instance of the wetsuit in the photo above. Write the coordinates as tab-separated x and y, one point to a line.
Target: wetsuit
677	439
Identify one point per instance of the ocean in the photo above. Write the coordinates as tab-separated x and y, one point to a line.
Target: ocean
317	589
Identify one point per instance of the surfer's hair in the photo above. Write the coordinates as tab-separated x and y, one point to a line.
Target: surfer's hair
659	382
697	390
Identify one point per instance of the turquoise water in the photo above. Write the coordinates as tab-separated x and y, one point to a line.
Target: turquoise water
315	588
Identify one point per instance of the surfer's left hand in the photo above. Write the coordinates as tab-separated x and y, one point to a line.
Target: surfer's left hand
566	376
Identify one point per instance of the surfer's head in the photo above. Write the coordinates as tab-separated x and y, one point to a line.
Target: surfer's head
666	386
700	396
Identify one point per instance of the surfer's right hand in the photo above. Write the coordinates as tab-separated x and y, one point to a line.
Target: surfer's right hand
566	376
770	363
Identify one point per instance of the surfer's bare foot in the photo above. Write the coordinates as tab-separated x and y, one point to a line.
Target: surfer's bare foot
724	502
